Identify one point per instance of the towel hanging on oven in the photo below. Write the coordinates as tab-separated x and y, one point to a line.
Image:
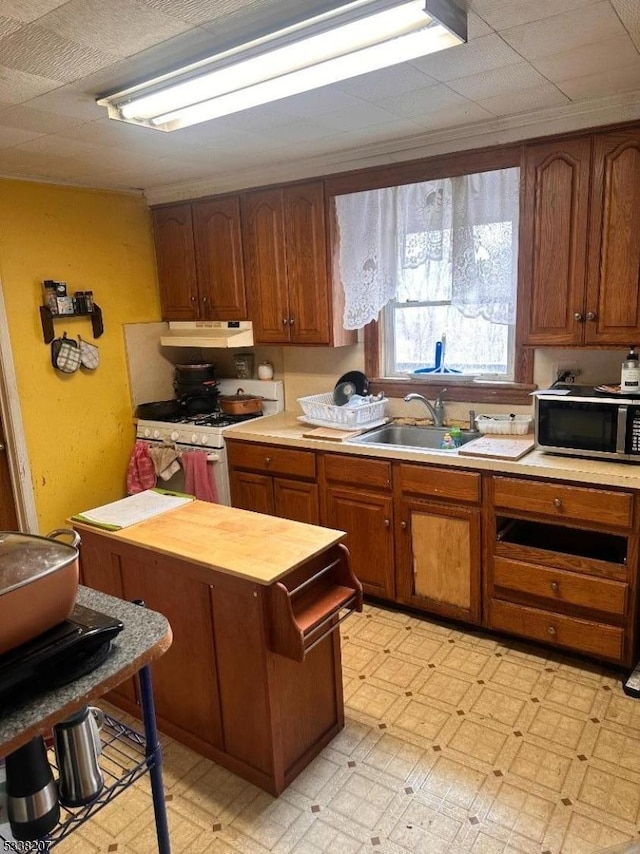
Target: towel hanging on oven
197	477
165	460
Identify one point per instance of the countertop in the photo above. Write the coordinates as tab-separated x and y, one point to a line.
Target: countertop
285	429
146	636
251	546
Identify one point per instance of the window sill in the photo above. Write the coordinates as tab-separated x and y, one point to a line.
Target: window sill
518	394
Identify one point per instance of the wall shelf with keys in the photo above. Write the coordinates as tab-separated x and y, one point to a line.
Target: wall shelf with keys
47	317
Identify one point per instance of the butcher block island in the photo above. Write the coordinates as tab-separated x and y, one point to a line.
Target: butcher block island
254	677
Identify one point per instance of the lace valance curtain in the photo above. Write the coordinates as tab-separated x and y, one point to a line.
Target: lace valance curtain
460	229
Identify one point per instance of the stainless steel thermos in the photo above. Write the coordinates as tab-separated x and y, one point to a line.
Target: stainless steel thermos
76	742
32	797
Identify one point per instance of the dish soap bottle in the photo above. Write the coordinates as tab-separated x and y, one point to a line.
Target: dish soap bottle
630	375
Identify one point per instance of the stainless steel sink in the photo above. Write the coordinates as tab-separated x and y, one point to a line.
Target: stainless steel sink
402	436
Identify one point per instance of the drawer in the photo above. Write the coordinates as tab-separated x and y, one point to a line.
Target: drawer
565	503
439	483
271	459
558	586
580	635
356	471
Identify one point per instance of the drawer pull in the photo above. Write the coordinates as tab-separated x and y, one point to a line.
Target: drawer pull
268	460
387	523
403	525
555	586
557	502
591	315
578	316
552	631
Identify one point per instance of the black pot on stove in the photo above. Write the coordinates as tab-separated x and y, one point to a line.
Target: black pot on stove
194	374
199	402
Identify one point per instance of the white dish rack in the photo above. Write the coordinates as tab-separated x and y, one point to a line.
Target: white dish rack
505	424
321	408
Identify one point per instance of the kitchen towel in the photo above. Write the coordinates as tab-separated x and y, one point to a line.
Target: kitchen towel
197	477
141	474
165	461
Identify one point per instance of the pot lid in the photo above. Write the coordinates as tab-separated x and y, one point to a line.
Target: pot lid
201	367
26	557
240	395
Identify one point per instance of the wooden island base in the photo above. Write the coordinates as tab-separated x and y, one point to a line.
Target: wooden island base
254	677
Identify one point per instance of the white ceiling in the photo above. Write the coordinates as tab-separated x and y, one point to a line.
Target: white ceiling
529	65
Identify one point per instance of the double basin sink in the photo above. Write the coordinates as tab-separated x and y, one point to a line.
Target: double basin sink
403	436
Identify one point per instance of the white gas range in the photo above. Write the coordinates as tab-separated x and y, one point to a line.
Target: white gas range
206	432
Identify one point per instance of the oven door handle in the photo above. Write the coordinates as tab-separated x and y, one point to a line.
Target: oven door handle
621	437
213	458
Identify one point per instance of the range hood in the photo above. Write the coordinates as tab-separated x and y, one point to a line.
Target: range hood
209	333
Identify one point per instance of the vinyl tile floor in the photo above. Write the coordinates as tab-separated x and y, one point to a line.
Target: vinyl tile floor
456	742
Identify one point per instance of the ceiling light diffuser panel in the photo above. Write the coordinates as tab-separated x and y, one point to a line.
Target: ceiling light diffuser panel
352	39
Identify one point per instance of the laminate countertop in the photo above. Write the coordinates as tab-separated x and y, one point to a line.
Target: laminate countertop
285	429
146	636
251	546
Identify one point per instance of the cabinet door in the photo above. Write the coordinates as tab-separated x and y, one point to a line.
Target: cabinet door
307	275
220	266
252	492
439	559
553	242
367	519
184	684
296	500
265	266
175	257
613	295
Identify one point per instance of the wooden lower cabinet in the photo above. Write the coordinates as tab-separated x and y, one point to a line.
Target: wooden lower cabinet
296	500
438	559
252	492
367	518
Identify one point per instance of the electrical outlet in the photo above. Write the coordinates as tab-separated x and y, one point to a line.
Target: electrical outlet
567	372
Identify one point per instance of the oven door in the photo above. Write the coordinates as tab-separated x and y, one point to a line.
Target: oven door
586	427
216	466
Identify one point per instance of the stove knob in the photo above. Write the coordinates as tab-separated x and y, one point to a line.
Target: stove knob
156	434
194	438
205	440
147	432
175	436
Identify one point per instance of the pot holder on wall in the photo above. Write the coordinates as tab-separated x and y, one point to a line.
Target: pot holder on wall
89	355
65	355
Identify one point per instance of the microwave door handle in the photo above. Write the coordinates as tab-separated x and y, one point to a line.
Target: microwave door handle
621	438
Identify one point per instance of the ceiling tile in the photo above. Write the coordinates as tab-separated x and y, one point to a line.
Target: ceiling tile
257	119
8	25
387	82
119	27
323	126
13	136
604	83
422	101
38	51
476	26
17	86
453	116
327	99
498	81
201	11
26	118
479	55
28	10
502	14
591	59
629	13
594	23
58	146
525	101
70	100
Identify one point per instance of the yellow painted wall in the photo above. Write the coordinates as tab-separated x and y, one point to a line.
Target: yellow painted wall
78	427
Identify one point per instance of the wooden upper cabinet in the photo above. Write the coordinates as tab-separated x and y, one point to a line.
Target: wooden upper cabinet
266	265
307	275
173	231
219	263
553	239
613	292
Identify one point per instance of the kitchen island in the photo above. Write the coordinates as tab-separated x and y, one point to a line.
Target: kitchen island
254	677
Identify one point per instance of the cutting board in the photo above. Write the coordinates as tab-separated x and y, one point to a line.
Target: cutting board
498	447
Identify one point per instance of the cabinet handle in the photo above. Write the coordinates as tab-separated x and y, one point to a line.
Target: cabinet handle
291	321
403	525
552	631
205	300
557	502
578	316
387	523
555	586
193	299
591	315
268	460
284	321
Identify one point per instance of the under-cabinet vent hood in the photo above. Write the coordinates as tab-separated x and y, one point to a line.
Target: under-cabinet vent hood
209	333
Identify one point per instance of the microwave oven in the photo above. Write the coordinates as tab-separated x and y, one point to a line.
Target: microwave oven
586	423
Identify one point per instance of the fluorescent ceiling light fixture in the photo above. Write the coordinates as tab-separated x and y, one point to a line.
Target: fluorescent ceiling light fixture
354	38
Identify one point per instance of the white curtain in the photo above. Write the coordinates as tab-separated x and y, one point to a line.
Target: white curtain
462	230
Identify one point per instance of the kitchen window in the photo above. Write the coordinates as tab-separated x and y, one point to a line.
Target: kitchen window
435	261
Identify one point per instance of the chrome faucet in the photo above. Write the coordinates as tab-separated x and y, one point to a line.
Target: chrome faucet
436	409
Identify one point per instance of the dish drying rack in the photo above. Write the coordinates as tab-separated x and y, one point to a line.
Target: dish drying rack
320	411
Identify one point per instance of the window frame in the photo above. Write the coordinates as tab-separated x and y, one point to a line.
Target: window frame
444	166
